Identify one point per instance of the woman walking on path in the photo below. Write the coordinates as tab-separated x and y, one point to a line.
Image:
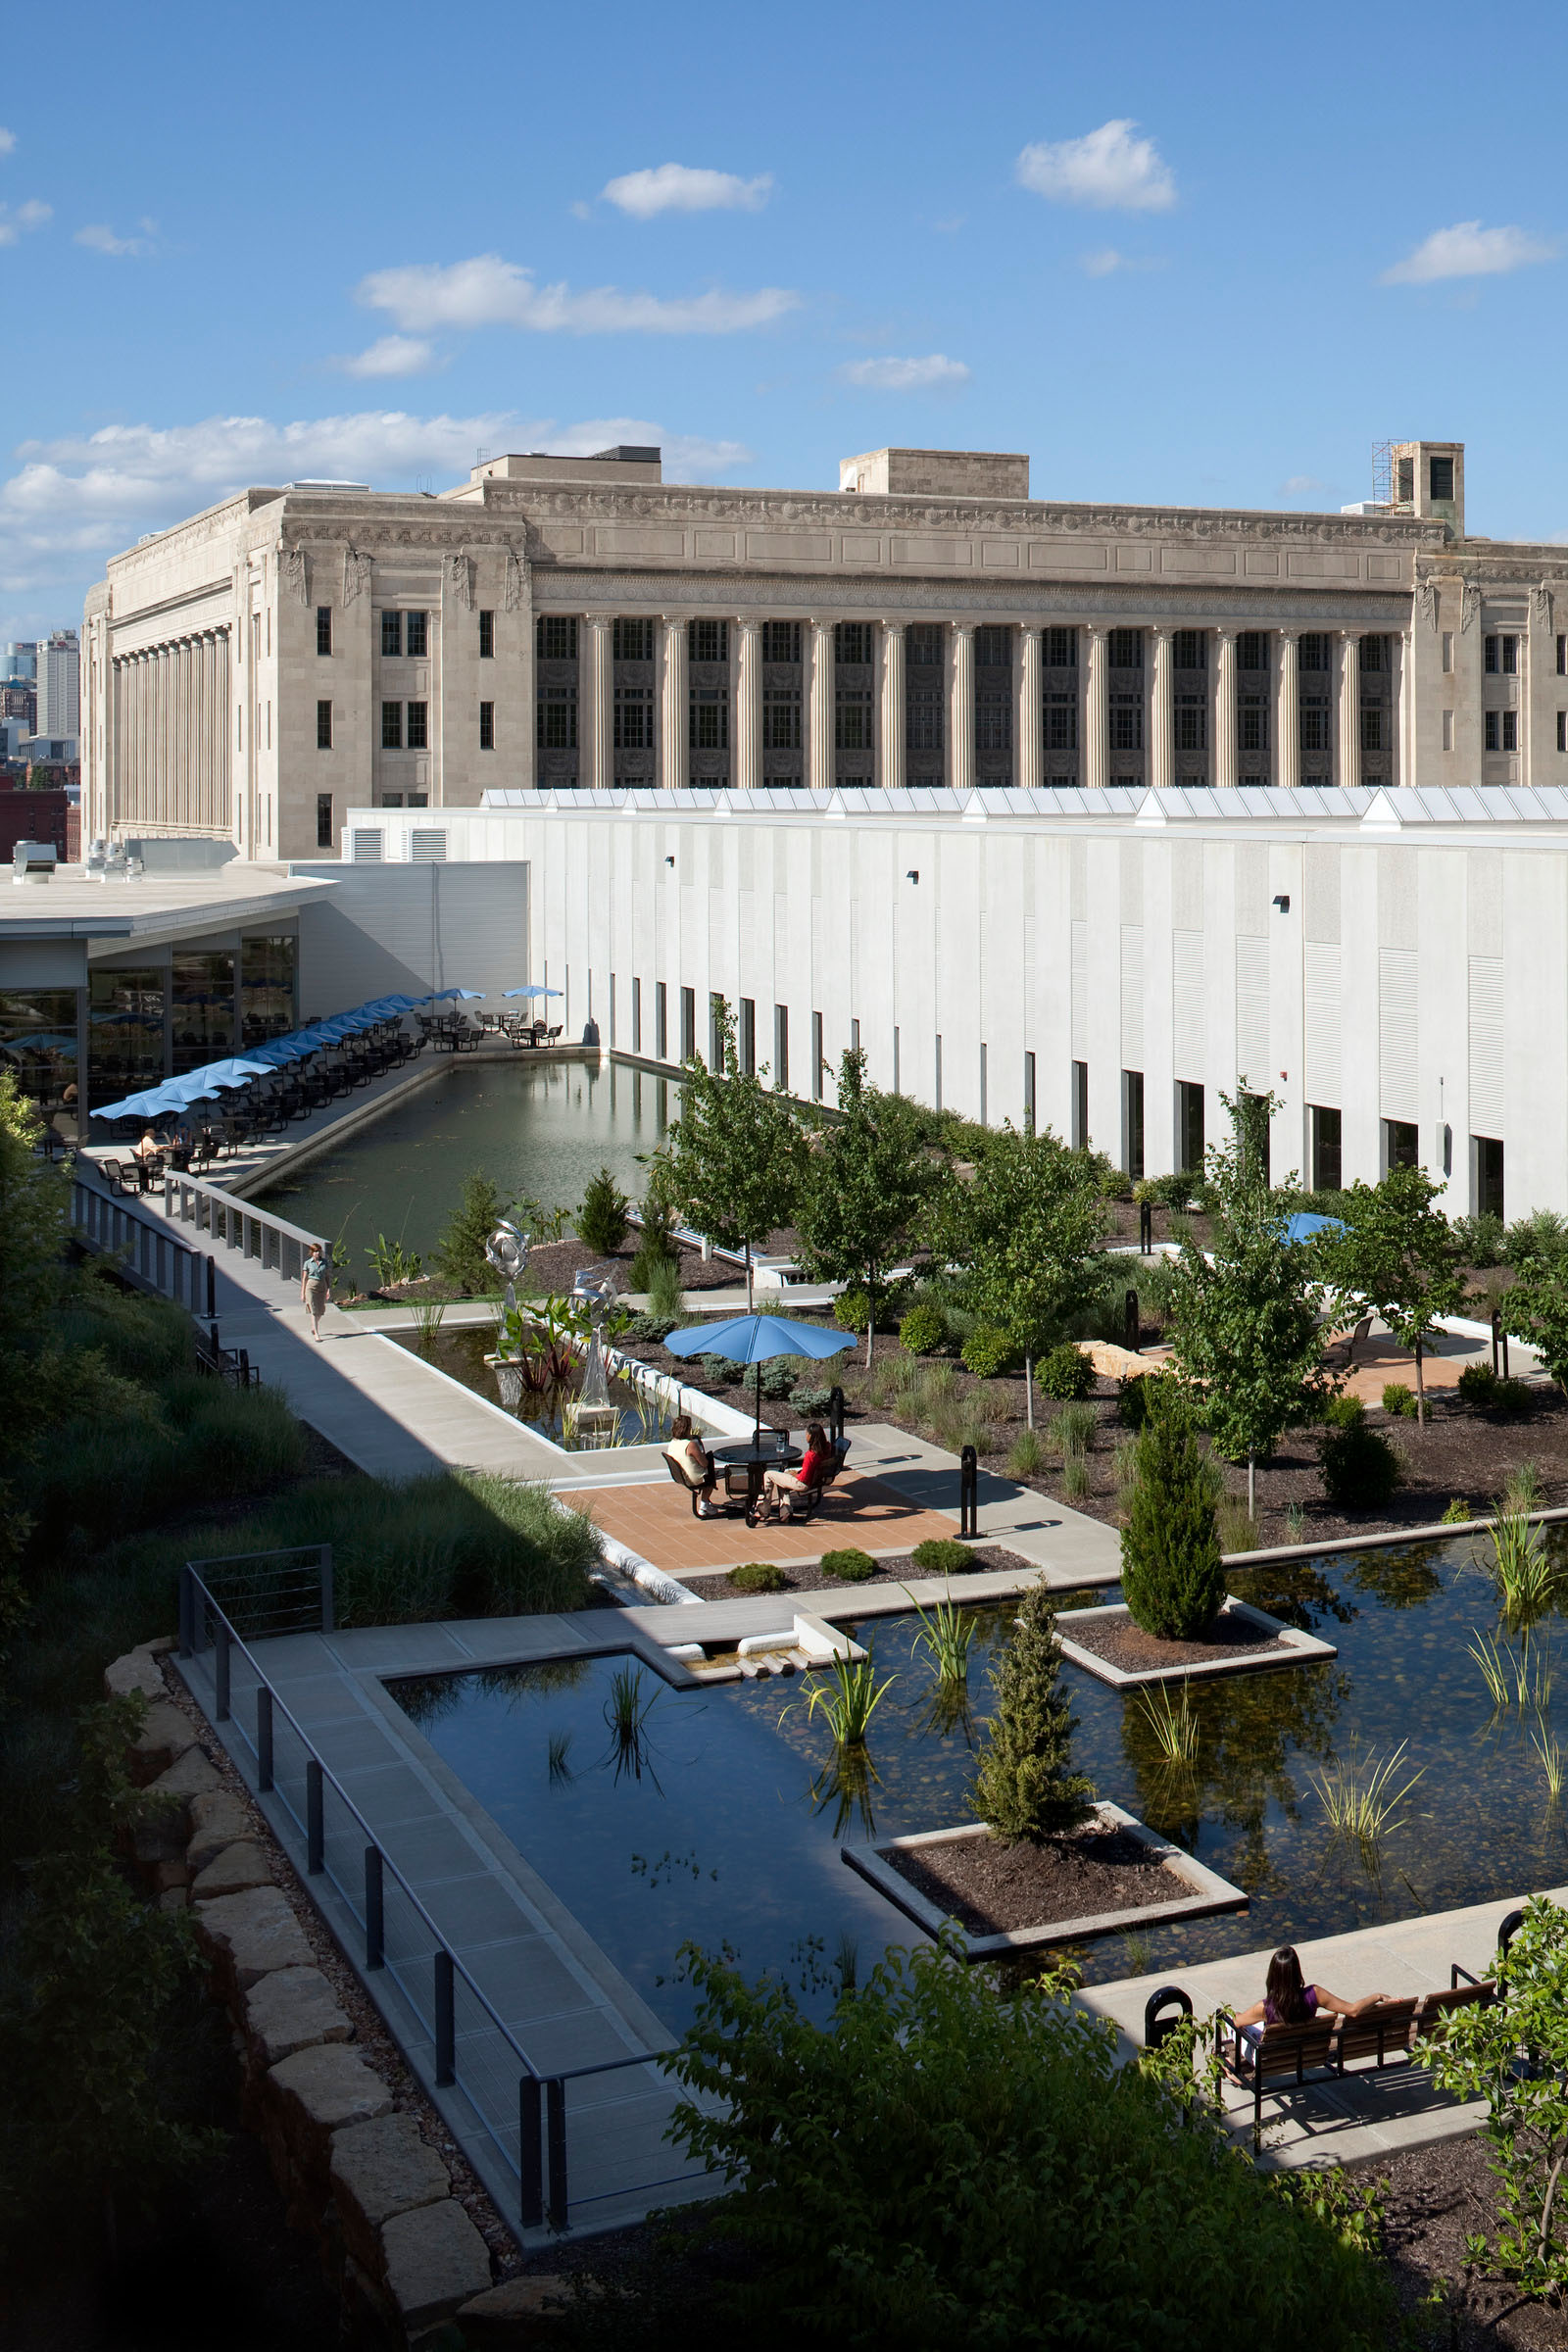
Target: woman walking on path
316	1285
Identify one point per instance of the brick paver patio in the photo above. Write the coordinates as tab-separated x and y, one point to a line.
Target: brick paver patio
657	1522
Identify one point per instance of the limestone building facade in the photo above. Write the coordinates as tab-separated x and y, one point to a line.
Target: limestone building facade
567	622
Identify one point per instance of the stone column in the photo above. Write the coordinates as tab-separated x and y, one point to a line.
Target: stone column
1225	710
1349	683
1096	710
1031	768
1288	709
748	703
819	729
596	754
1162	713
891	767
674	719
961	705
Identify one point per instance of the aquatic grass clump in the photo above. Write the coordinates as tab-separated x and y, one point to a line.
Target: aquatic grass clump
1511	1679
1526	1577
947	1634
1172	1727
1553	1762
847	1700
627	1713
1360	1799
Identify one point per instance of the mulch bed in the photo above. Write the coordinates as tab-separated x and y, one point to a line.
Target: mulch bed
992	1888
899	1570
1121	1643
1436	2197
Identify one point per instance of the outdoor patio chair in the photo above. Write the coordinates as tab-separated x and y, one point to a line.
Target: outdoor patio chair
807	1500
1383	2032
1341	1357
113	1172
726	1500
1282	2054
550	1035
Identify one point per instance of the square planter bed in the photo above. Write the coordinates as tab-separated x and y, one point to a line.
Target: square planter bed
1106	1642
925	1876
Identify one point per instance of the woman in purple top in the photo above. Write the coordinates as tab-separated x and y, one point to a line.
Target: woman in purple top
1290	2002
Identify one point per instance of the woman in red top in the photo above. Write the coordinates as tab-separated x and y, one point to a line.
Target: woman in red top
779	1484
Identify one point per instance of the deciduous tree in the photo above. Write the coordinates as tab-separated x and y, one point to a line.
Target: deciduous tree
867	1183
736	1154
1398	1256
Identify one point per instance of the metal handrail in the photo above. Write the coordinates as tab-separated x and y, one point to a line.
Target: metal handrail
541	2097
181	1180
99	1214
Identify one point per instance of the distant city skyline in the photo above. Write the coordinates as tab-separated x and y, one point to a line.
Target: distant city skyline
1172	266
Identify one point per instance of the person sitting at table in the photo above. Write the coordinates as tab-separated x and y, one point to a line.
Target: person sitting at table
690	1457
779	1484
1288	2001
181	1144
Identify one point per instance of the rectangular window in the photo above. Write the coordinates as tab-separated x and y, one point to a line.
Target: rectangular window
852	721
923	719
1126	648
715	1031
1447	652
1190	717
1132	1122
922	644
391	633
323	820
1402	1146
1188	1127
419	726
487	726
1080	1106
1448	730
781	1047
1371	656
633	641
1487	1182
1251	723
993	722
1563	730
1061	722
1371	730
710	712
1314	724
391	800
556	637
818	1064
1189	649
1490	655
636	1016
1314	650
1509	646
391	726
1490	723
1327	1160
747	1037
323	726
781	719
487	636
708	639
1252	649
324	629
852	641
417	625
557	720
688	1024
660	1021
1126	722
634	719
781	641
1510	730
1061	649
1562	656
1440	474
993	649
1029	1093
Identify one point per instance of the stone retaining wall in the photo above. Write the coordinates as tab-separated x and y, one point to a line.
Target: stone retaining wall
407	2235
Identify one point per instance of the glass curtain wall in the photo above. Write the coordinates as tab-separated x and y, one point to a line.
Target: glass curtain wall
39	1044
266	988
202	991
124	1032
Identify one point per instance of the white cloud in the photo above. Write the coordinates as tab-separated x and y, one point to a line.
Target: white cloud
487	291
390	355
1106	261
8	142
677	188
1301	485
31	215
1108	167
1467	250
99	237
907	376
73	503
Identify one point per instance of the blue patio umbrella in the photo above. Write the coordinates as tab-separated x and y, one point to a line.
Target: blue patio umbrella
134	1106
757	1340
1305	1225
464	996
534	991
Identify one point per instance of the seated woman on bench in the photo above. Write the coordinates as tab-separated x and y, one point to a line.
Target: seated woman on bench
779	1484
1290	2002
690	1457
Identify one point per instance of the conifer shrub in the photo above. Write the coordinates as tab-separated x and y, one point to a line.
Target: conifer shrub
460	1253
757	1576
942	1555
1171	1575
601	1220
1026	1790
850	1566
1360	1468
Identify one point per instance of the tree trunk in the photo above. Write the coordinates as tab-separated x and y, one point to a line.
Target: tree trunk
1251	1488
870	1322
751	1298
1420	1388
1029	1390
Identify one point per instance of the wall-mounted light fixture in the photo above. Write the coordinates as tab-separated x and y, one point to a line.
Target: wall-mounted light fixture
913	874
1283	902
670	860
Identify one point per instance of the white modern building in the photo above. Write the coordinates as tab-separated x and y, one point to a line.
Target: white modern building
581	623
59	675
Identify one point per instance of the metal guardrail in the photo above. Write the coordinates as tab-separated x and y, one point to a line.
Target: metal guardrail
150	1254
523	2109
238	1224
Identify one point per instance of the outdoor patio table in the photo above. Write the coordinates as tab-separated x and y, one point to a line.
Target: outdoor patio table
780	1455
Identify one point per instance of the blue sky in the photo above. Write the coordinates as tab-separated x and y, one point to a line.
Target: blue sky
1204	256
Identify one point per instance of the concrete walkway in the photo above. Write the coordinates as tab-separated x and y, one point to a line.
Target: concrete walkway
1366	2115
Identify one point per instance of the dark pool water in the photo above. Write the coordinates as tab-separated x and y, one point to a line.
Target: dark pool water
732	1833
540	1129
461	1355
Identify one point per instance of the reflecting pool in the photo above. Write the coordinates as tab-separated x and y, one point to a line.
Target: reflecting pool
721	1821
540	1129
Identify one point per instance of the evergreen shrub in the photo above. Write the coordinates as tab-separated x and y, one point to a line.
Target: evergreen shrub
1026	1790
925	1330
987	1352
1360	1468
1066	1374
850	1566
1171	1576
942	1555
